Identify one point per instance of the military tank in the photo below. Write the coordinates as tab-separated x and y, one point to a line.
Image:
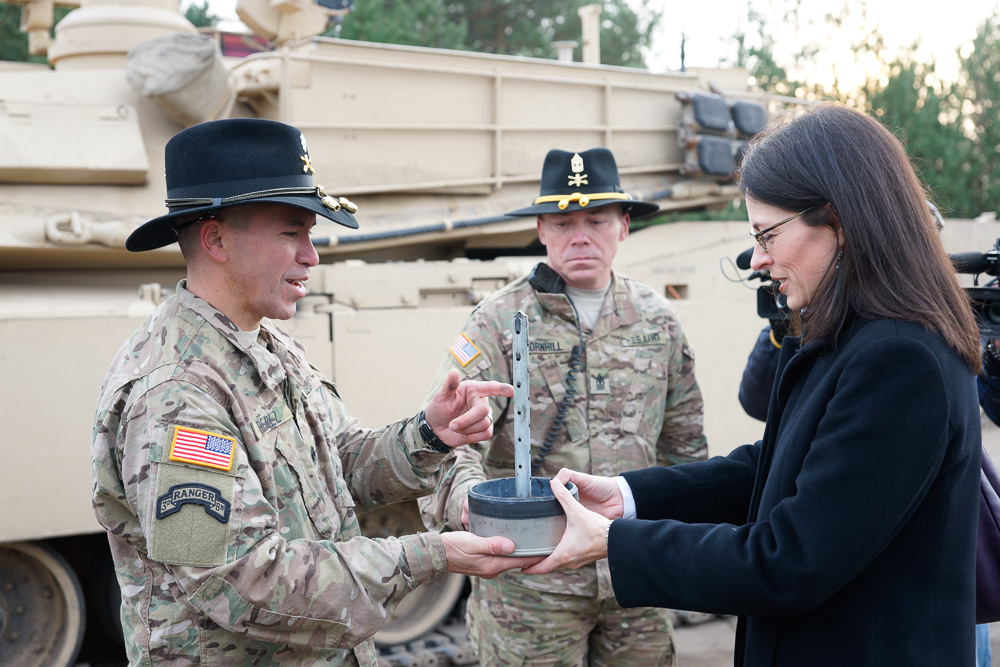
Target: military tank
431	146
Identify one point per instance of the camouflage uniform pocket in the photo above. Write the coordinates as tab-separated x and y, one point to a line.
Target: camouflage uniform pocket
545	398
301	477
218	599
642	412
194	515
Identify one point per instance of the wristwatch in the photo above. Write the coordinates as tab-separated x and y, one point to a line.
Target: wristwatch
430	438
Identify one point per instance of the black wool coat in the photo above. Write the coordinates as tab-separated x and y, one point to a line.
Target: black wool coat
847	536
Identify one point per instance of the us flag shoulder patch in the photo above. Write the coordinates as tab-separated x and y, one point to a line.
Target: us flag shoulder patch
203	448
463	349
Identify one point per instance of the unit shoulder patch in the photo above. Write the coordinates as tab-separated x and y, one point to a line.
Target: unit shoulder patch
464	350
203	448
179	495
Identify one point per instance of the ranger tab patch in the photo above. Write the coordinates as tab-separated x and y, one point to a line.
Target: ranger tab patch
202	448
464	350
179	495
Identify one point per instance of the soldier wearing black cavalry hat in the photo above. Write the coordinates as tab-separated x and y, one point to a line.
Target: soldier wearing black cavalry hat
226	468
612	388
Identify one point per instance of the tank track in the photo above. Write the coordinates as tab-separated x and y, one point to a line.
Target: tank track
448	645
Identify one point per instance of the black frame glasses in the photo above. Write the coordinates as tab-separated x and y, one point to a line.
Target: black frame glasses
759	236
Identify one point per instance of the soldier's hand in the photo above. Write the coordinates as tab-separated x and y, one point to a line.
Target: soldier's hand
597	494
465	513
460	412
484	557
584	540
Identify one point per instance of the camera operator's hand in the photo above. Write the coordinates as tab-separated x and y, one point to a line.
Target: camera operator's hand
991	358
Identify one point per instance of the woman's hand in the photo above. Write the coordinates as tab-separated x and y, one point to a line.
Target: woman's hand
598	494
584	540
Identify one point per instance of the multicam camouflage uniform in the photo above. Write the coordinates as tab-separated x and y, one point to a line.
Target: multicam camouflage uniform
258	560
637	405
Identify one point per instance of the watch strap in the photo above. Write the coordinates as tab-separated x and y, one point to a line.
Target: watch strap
430	438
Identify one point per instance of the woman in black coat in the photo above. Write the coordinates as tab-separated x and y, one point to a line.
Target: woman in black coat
847	535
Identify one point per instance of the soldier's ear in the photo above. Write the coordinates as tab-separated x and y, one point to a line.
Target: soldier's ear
212	238
540	224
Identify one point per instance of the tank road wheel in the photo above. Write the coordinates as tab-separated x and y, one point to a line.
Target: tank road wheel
106	598
427	606
422	610
41	607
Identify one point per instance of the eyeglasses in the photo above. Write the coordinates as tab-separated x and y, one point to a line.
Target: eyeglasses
760	238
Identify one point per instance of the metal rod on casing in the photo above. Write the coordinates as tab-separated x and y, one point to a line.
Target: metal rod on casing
522	409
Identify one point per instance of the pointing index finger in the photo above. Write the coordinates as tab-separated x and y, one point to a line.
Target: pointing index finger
487	388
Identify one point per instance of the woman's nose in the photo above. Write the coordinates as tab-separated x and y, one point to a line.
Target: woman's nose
760	259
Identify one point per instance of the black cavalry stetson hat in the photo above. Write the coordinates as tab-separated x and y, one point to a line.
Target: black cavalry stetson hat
223	163
585	180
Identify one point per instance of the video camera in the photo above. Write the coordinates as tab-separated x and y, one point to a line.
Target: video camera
771	304
985	300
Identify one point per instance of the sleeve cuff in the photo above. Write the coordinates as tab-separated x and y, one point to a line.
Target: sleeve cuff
456	503
426	456
425	556
626	491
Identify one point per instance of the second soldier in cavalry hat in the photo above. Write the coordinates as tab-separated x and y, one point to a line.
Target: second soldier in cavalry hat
584	180
612	387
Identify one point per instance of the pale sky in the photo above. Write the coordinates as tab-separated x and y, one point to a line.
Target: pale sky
708	25
942	27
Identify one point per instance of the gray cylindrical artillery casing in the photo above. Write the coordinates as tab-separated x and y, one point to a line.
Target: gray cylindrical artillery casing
535	524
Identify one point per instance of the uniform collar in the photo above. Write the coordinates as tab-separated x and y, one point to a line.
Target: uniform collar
625	312
268	362
620	312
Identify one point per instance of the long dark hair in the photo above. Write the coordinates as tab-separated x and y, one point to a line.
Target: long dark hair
857	176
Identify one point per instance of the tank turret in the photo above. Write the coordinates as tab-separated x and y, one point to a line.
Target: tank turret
432	145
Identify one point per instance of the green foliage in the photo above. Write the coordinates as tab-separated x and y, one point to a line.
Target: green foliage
200	16
978	90
951	131
908	99
733	211
528	28
520	28
13	42
413	22
756	45
624	35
